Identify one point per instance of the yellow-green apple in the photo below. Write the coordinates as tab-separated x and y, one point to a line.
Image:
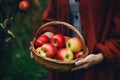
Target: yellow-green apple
24	5
47	50
74	44
65	54
41	40
66	38
78	54
38	49
58	40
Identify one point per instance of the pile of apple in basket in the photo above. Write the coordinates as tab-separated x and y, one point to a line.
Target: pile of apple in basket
58	53
59	47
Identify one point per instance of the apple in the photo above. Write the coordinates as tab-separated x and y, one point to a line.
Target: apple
78	54
24	5
47	50
66	38
38	50
41	40
58	40
74	44
65	54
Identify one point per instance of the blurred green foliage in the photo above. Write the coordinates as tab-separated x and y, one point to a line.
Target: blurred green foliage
15	60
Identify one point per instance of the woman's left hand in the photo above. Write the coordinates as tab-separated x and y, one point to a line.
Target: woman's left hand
88	61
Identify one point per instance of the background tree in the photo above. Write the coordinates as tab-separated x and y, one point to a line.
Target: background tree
15	61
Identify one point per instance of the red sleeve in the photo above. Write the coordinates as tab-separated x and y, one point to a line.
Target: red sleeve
111	46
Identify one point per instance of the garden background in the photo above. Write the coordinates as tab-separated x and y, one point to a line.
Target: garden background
15	60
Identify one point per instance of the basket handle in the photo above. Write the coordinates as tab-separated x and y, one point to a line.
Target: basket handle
65	24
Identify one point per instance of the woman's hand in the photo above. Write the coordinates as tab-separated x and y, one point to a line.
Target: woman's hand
88	61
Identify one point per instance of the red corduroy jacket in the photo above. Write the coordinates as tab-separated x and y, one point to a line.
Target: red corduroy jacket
101	27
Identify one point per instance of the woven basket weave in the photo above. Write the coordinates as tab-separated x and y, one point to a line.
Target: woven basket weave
54	64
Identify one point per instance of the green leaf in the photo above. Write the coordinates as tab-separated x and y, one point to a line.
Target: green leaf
1	25
11	36
11	33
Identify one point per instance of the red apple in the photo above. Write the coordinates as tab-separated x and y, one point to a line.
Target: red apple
24	5
41	40
47	50
65	54
78	54
58	40
74	44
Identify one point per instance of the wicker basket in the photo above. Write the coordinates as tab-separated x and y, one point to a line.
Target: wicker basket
53	64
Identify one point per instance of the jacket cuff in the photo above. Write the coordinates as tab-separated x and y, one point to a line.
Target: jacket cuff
104	50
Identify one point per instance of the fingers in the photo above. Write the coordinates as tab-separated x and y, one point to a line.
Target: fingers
84	66
88	61
83	63
80	62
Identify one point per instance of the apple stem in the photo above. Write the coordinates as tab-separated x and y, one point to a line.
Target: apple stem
67	56
44	51
69	45
55	42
